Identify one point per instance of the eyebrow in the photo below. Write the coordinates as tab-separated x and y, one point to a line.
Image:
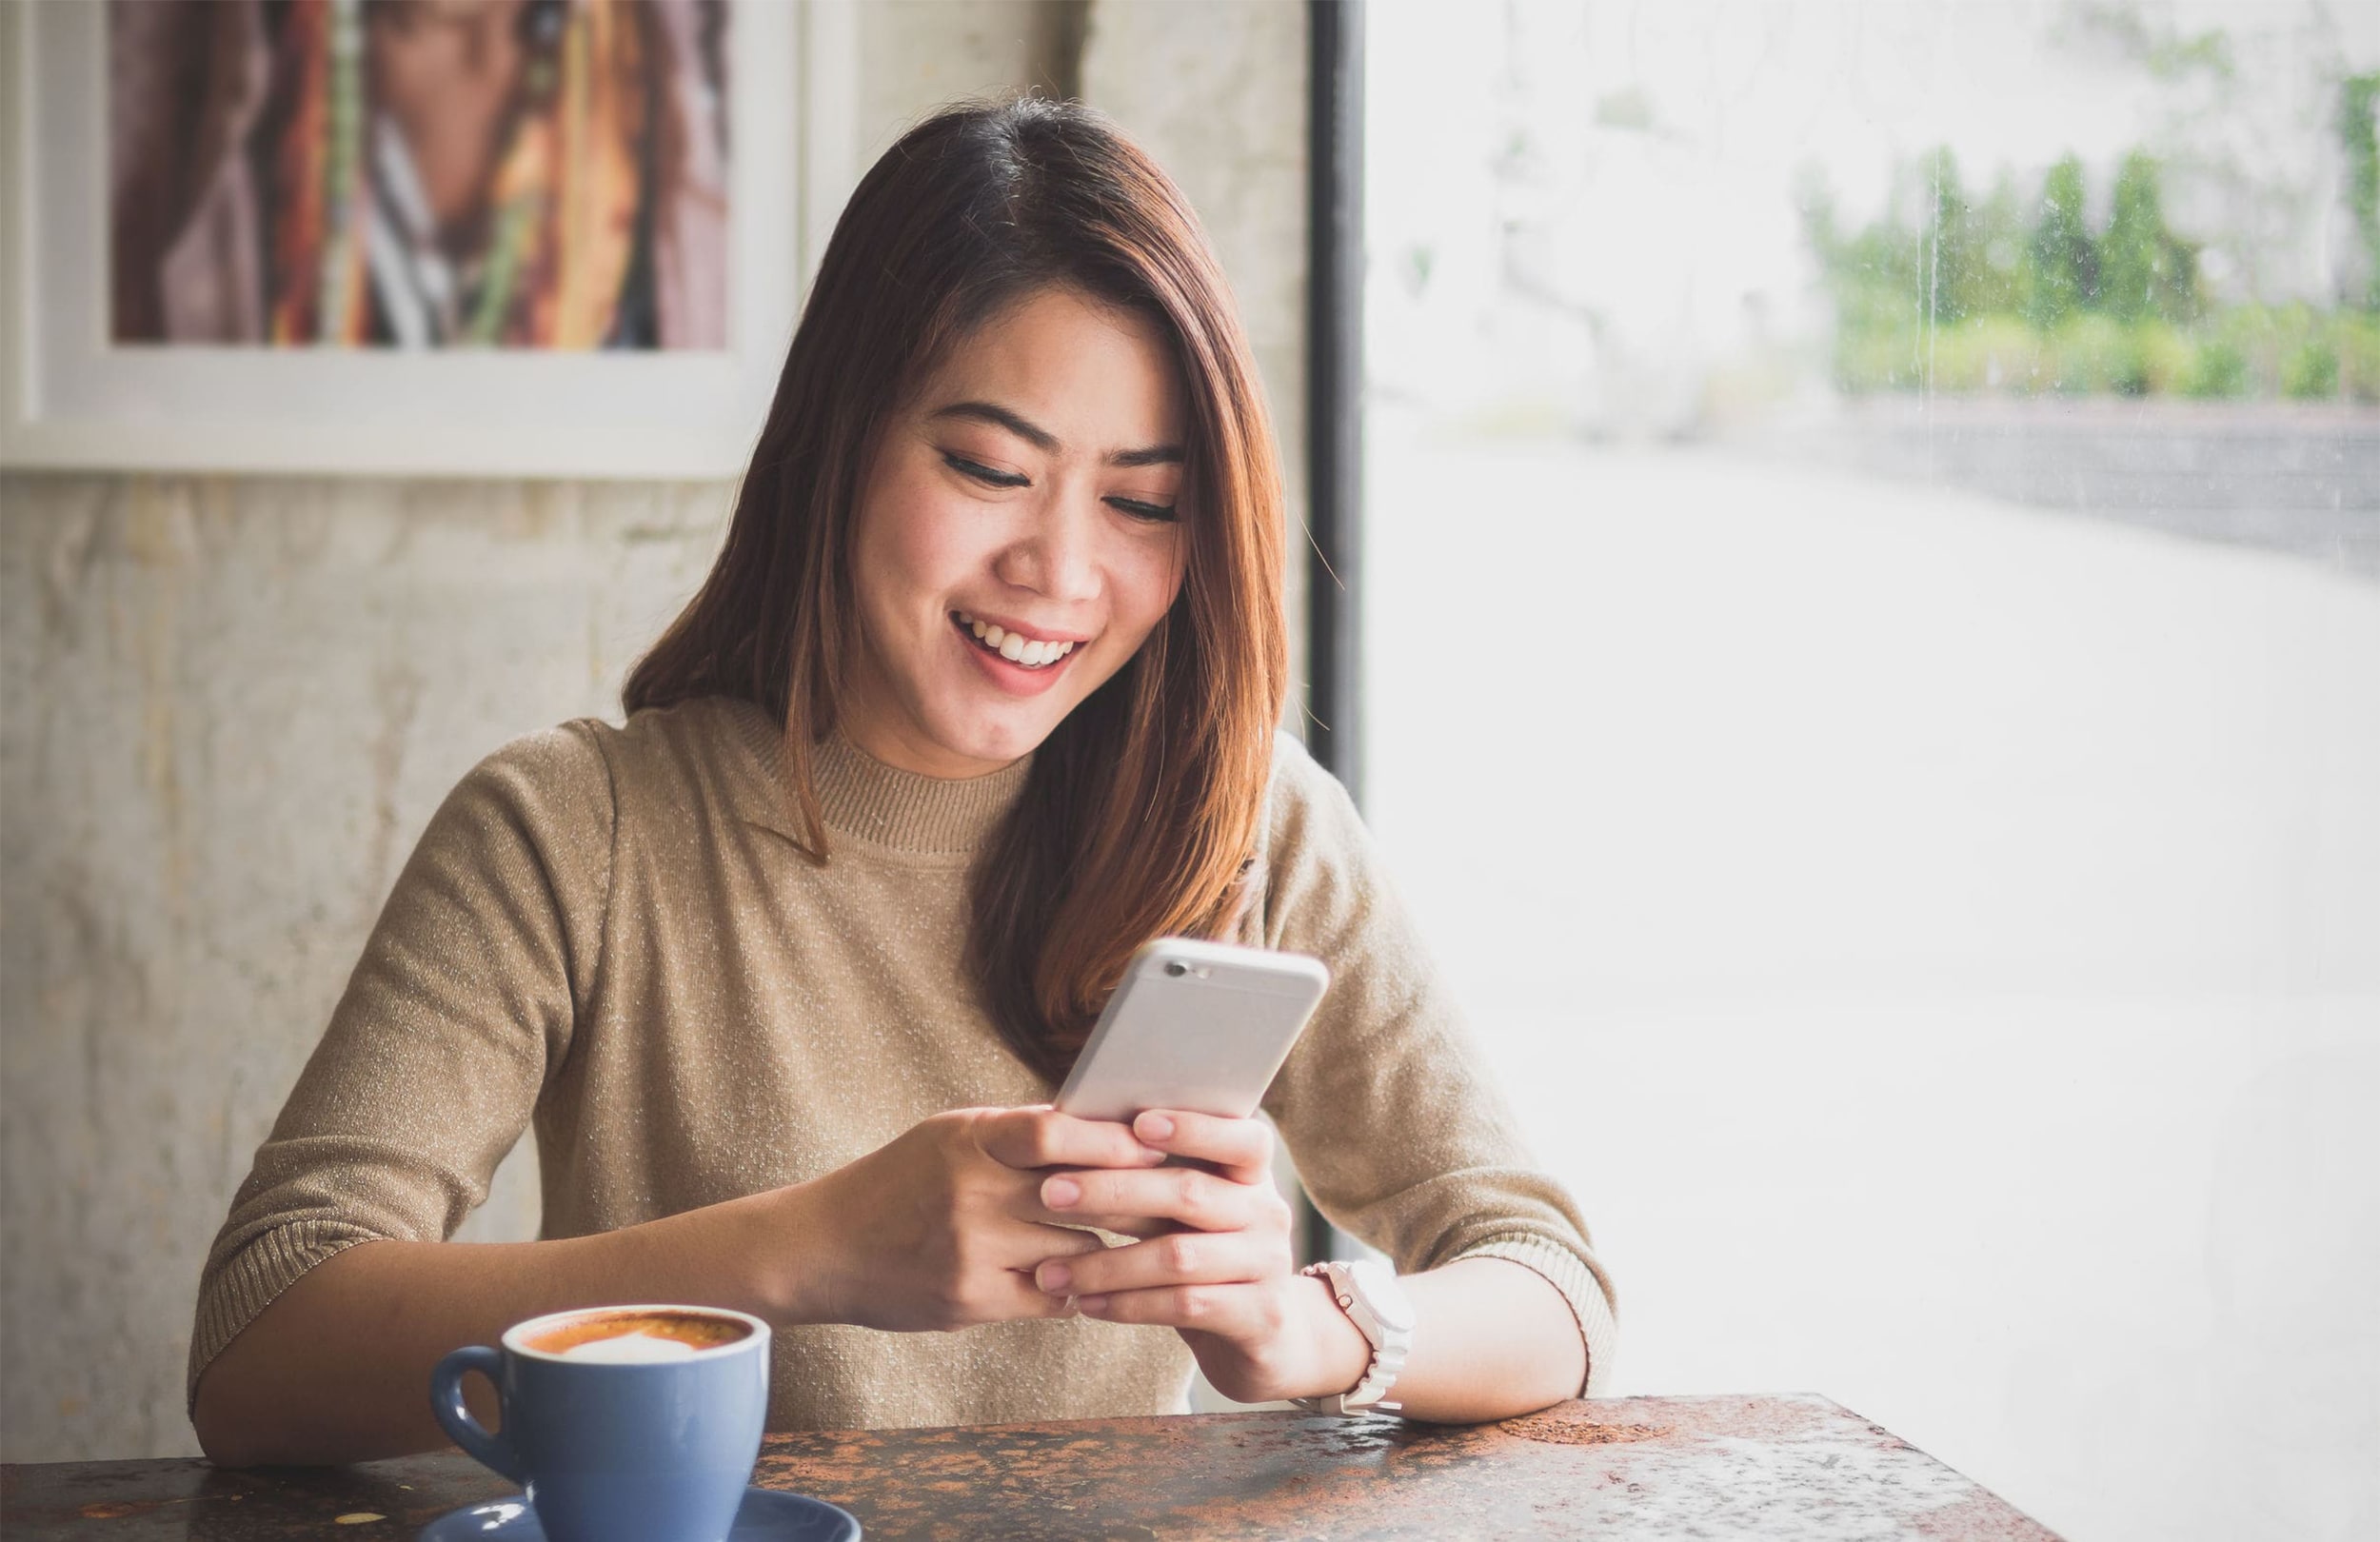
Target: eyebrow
1042	440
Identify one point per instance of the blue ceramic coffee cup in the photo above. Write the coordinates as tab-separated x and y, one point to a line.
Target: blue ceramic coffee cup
622	1424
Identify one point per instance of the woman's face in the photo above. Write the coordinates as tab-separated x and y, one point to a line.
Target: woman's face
1018	535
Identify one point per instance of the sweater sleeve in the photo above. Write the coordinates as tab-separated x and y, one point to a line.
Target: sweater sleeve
1388	1108
459	1013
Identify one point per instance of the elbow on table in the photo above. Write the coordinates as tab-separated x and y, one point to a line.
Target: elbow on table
225	1437
243	1419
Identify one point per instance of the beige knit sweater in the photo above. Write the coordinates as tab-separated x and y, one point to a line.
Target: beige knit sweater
607	934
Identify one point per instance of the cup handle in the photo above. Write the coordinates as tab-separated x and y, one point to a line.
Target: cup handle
492	1448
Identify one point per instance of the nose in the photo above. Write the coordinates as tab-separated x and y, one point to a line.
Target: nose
1058	556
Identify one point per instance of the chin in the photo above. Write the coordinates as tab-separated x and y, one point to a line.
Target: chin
1000	738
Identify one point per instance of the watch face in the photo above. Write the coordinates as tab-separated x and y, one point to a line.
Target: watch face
1383	1293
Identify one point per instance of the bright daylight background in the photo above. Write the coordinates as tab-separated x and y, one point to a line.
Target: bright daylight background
1874	690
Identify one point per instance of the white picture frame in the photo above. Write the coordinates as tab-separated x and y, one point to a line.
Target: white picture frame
69	398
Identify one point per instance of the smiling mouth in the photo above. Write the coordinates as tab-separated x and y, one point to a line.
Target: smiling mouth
1027	653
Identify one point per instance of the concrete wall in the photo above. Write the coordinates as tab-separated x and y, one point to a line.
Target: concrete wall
227	706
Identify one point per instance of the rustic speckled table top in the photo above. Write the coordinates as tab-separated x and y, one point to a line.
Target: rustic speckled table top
1778	1468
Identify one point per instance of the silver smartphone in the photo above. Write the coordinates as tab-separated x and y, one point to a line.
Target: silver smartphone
1196	1026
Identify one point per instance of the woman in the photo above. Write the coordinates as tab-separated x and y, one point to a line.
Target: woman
978	697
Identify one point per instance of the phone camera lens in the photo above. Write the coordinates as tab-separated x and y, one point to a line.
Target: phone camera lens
1176	968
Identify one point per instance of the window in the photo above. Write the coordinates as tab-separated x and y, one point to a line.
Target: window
1871	604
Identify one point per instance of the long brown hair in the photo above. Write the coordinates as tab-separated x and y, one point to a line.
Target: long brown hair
1141	807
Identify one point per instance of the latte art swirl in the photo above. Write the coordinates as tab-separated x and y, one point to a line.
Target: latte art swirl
630	1348
637	1337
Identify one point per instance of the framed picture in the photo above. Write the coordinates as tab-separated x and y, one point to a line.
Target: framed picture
411	237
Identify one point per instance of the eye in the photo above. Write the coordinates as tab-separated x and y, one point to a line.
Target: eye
1153	513
984	474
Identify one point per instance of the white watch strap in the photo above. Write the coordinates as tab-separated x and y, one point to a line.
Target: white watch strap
1391	1344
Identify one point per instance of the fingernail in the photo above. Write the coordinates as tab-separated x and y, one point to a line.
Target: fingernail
1154	1127
1052	1277
1060	1192
1091	1306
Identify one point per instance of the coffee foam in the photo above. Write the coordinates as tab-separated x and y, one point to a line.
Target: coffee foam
646	1335
639	1348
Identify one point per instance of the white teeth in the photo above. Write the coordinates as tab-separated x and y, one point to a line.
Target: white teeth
1014	646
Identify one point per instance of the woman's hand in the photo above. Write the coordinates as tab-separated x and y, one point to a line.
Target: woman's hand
1219	1270
943	1227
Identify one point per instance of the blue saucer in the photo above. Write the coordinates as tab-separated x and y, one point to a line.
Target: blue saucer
765	1516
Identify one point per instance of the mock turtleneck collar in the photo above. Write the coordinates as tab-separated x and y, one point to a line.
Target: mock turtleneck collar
861	795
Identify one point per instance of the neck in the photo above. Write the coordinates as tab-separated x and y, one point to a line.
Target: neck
902	748
873	722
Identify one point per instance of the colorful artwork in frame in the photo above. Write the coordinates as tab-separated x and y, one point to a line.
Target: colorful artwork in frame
532	237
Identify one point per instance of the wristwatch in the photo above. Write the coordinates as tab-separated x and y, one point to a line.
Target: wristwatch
1368	1292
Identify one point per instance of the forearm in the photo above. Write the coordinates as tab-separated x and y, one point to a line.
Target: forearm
337	1368
1491	1338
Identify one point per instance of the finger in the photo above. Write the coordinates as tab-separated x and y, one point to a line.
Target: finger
1182	1258
1042	1136
1136	1226
1025	1248
1020	1298
1241	1149
1124	1201
1232	1310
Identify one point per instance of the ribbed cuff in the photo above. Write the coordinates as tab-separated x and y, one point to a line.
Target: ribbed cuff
231	1296
1581	1286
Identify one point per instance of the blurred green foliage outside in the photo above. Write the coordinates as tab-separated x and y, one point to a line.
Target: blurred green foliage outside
2003	293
